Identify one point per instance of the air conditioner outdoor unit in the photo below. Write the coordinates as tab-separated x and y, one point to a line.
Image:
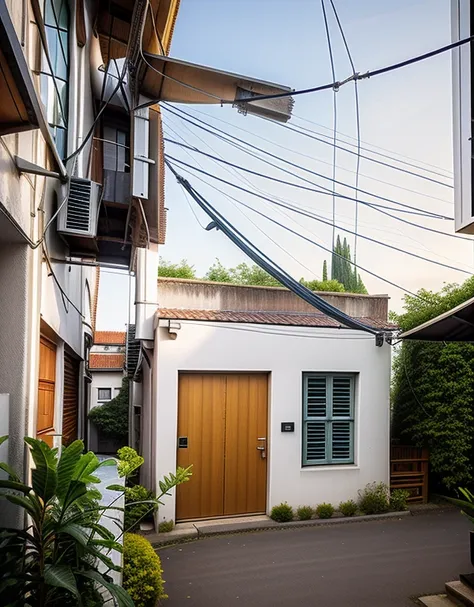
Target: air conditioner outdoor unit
79	216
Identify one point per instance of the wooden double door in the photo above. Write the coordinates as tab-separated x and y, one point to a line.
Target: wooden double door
222	432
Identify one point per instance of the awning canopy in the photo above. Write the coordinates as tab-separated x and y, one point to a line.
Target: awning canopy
454	325
178	81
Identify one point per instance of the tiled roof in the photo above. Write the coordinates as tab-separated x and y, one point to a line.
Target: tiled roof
110	338
295	319
107	361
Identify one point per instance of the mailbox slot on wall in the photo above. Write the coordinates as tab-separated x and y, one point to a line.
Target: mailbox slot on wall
182	442
287	426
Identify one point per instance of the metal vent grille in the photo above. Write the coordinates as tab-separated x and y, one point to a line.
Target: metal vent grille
79	206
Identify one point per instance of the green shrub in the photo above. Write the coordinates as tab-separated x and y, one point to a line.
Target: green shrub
324	510
165	527
129	461
374	498
348	508
282	513
112	418
142	571
304	513
398	499
142	511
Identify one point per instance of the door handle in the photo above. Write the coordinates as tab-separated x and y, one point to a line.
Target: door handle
263	453
261	448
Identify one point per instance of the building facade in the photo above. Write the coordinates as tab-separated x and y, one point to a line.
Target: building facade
266	397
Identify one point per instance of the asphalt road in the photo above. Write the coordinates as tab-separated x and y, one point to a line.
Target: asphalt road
373	564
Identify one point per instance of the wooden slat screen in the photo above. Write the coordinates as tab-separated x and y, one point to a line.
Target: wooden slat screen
70	399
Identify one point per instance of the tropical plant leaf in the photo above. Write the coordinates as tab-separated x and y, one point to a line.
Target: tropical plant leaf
11	473
61	576
15	486
79	533
116	488
85	465
44	476
25	503
67	465
110	461
102	531
77	489
3	439
120	595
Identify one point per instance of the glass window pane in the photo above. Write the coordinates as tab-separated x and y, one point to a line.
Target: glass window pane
62	13
64	46
49	13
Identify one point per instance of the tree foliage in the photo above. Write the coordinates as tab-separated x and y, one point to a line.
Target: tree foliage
112	417
323	285
176	270
343	270
433	390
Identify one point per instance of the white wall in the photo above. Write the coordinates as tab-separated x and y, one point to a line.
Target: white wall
285	355
104	379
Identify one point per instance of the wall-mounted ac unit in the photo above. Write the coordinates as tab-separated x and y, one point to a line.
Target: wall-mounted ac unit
79	216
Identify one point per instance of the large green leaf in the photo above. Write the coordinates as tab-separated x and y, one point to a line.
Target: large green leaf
44	476
3	439
15	486
116	488
67	465
85	466
25	503
77	489
61	576
121	596
79	533
9	470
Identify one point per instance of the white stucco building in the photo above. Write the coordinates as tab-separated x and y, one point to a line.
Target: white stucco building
267	398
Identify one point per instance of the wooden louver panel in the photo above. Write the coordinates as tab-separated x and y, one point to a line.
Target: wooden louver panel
70	399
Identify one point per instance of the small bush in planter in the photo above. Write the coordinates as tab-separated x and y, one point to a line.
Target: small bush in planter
324	510
304	513
374	498
165	527
282	513
348	508
398	499
142	571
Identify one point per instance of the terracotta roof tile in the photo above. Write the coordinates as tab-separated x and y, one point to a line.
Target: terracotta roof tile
107	361
111	338
295	319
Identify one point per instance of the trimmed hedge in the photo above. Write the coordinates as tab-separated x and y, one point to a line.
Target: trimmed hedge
142	571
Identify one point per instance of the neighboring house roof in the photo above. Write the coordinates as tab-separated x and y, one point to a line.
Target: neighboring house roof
295	319
107	361
110	338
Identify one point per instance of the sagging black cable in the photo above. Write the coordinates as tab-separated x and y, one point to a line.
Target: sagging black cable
259	258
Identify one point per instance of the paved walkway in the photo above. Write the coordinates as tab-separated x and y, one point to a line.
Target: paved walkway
373	564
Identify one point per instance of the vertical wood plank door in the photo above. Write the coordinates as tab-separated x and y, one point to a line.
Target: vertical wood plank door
201	420
222	416
245	488
46	391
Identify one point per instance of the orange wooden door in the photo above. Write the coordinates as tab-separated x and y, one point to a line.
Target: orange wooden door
201	422
245	489
221	418
46	391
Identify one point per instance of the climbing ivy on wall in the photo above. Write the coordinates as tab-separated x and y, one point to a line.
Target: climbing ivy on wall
112	417
433	390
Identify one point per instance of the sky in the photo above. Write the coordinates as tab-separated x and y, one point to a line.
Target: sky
406	112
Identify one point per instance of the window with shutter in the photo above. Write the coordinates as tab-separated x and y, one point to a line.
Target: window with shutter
328	419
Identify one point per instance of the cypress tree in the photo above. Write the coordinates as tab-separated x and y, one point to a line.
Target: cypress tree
325	270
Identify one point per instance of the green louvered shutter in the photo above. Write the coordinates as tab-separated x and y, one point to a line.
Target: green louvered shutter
328	419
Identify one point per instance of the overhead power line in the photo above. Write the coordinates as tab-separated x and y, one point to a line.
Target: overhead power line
375	207
373	149
320	219
326	191
181	180
358	76
299	153
224	136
